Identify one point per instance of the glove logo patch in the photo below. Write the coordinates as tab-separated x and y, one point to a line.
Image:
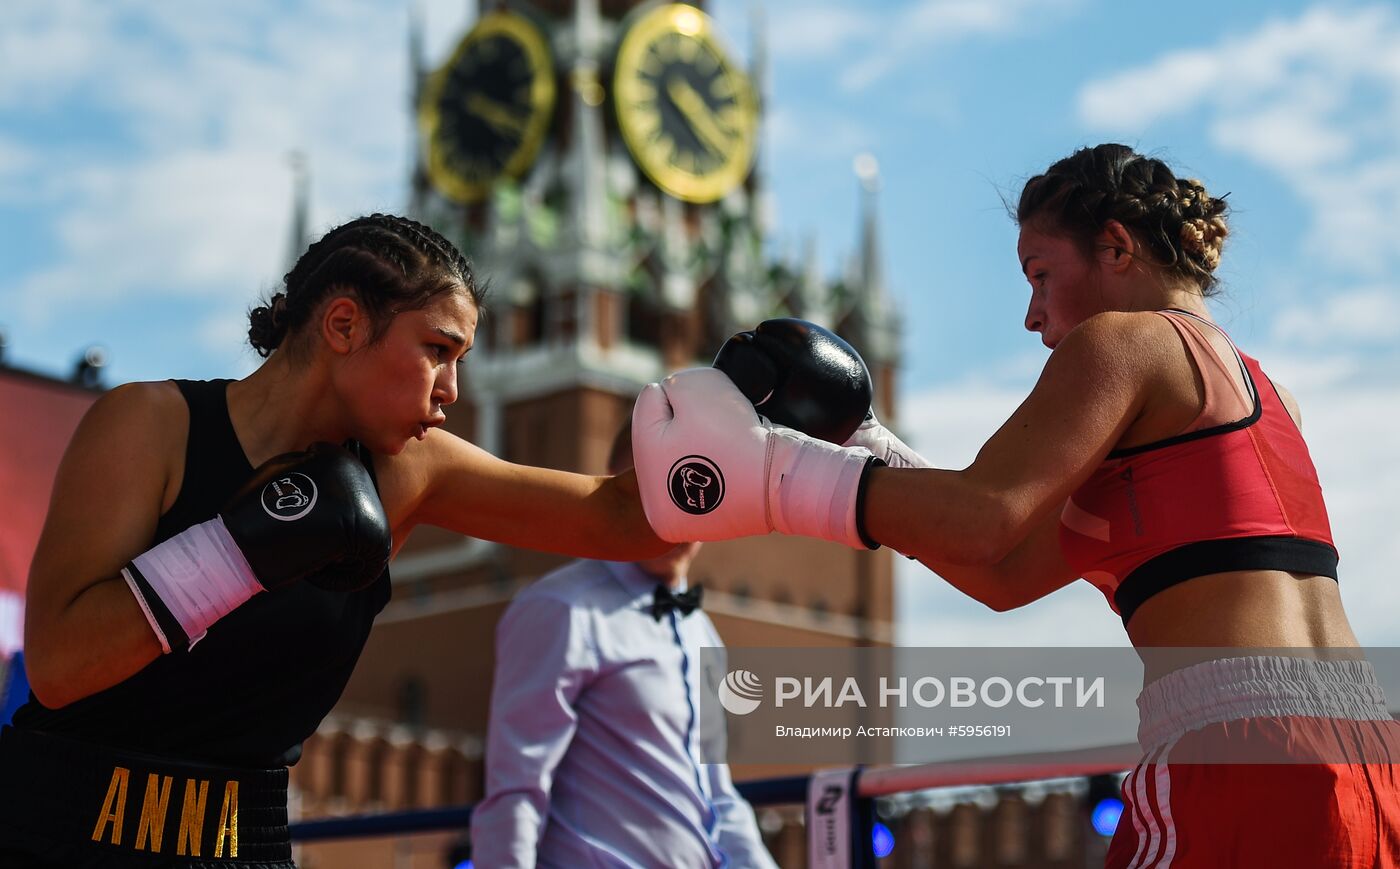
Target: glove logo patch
289	497
696	485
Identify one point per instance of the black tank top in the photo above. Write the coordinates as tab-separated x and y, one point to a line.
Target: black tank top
264	676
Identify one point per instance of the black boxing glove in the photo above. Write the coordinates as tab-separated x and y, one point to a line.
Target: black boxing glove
311	515
799	375
275	521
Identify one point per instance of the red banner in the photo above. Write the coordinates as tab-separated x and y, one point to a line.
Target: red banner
37	418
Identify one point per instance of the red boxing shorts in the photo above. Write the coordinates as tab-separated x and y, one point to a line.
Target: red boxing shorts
1263	762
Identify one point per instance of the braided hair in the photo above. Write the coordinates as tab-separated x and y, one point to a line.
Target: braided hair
1181	226
391	263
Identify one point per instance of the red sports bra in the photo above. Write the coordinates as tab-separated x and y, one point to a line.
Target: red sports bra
1240	495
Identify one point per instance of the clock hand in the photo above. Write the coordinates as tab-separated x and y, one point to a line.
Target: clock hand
698	113
500	117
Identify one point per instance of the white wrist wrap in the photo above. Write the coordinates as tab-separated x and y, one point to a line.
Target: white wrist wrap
812	487
199	575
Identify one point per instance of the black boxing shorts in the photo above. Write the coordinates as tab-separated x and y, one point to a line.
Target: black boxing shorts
77	805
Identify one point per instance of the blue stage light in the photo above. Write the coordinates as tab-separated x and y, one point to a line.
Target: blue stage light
1105	815
882	839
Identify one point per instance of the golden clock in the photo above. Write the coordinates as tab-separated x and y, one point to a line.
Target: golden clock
485	112
687	114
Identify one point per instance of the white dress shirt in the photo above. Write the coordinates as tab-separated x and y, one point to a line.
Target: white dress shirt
592	754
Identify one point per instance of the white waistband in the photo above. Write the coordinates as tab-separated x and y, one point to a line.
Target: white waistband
1257	687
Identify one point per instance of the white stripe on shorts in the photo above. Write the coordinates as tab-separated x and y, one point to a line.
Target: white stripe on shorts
1144	819
1164	809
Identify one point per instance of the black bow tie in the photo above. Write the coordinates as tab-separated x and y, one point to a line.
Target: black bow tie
666	600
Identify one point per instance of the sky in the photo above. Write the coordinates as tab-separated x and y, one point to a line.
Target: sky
145	198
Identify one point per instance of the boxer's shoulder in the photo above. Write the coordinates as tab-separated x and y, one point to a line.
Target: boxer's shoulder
1119	326
133	436
150	398
153	411
1131	340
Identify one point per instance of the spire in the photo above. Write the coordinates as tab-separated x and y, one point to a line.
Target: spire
812	290
298	239
873	329
872	278
417	75
417	66
758	62
584	169
758	75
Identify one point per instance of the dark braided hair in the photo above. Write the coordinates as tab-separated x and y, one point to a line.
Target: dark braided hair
1181	226
391	264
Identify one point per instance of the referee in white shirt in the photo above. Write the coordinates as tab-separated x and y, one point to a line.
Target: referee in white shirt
593	755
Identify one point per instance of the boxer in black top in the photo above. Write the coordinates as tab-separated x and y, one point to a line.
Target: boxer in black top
214	556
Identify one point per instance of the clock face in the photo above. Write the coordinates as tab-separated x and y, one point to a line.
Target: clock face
485	112
686	113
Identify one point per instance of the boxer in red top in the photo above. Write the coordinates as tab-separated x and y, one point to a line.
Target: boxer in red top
1153	459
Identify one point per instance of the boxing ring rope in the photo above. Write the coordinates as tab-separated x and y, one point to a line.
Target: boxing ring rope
869	784
1081	763
763	792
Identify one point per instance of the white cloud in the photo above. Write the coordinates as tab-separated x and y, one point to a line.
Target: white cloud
209	102
1321	51
1350	434
1351	412
1315	99
192	223
14	157
1284	138
918	26
1130	100
16	165
1356	209
1311	375
47	49
1369	315
227	329
820	31
815	135
443	23
882	40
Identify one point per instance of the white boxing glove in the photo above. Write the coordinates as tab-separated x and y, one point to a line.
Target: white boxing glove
883	443
710	468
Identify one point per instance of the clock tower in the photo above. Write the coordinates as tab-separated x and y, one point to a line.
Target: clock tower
686	113
597	160
485	112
